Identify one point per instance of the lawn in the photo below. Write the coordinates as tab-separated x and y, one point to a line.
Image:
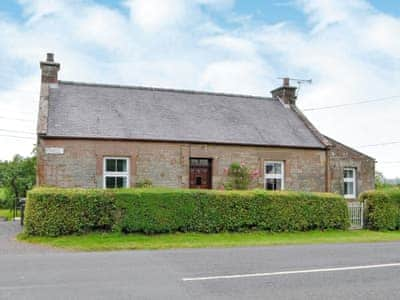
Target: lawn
7	214
119	241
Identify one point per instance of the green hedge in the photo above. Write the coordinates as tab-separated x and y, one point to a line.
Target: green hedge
172	210
383	209
54	212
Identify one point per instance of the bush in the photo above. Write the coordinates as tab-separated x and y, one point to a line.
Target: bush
383	209
54	212
239	177
4	199
172	210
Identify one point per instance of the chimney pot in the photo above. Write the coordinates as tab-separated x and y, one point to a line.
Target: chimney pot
49	69
50	57
286	81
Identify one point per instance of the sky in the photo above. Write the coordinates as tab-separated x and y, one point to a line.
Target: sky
350	50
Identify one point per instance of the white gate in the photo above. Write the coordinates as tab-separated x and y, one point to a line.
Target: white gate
356	214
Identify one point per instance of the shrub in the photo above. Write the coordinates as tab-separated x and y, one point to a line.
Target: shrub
54	212
239	177
383	209
63	211
5	198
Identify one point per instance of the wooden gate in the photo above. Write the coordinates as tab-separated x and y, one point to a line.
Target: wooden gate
200	173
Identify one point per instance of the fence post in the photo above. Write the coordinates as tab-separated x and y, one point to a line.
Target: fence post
362	215
22	210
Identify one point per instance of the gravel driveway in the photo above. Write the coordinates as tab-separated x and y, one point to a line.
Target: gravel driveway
9	244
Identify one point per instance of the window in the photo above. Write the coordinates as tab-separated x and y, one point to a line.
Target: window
349	182
116	172
274	175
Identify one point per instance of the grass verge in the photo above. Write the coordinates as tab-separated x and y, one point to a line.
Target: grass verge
118	241
7	214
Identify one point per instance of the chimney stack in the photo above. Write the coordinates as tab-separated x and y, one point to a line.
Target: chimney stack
285	93
49	69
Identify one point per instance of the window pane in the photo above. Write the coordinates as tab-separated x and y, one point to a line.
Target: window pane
348	188
348	173
277	168
121	182
121	165
198	180
110	182
273	168
278	184
273	184
110	165
203	162
268	169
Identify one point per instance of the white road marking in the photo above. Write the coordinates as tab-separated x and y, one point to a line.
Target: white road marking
292	272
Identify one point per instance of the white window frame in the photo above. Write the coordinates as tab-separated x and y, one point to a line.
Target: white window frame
116	174
351	180
275	176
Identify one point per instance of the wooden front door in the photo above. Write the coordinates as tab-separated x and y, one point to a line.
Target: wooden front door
200	173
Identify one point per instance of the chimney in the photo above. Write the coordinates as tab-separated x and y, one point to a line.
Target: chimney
49	69
285	93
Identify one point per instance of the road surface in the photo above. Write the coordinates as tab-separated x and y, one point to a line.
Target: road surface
341	271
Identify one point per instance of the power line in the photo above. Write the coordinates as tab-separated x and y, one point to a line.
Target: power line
389	162
19	112
17	131
351	103
36	93
17	119
380	144
17	137
8	89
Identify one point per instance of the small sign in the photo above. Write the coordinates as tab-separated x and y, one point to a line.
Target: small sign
54	150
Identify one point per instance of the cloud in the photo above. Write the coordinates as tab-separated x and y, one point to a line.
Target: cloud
245	77
324	13
348	48
153	15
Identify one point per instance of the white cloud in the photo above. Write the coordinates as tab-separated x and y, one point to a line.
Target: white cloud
245	77
349	48
231	44
323	13
154	15
37	9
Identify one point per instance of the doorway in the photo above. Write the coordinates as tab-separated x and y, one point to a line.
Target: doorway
200	173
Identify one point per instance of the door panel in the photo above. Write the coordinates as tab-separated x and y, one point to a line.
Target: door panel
200	173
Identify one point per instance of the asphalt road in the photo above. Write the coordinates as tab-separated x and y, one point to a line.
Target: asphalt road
160	274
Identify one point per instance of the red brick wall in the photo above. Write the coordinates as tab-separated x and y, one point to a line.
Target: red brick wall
167	164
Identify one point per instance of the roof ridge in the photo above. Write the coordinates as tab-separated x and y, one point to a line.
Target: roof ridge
163	89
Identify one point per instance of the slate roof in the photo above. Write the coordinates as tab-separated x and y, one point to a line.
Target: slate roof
81	110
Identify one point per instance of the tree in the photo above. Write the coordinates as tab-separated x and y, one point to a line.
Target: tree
18	176
379	180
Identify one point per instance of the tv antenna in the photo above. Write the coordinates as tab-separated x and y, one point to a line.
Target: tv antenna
299	82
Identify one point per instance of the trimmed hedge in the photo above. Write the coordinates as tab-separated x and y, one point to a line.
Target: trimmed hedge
64	211
54	212
383	209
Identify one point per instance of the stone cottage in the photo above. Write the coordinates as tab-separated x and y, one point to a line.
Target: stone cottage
106	136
